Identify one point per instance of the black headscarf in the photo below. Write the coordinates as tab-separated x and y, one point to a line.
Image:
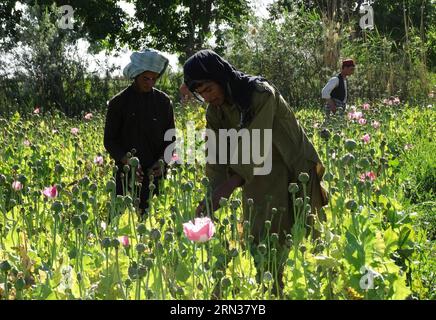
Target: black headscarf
207	65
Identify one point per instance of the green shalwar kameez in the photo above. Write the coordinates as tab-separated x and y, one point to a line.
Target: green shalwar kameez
292	153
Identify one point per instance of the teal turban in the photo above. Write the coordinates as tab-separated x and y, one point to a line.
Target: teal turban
146	60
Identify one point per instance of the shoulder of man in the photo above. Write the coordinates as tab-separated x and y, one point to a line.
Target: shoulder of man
119	98
161	95
264	86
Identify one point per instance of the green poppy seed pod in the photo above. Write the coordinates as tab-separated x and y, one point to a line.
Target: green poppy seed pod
274	211
223	202
303	177
250	238
267	277
347	159
76	221
128	201
2	179
75	190
128	155
308	208
57	206
142	271
273	252
140	248
226	283
85	195
169	236
80	206
337	138
162	221
148	263
141	229
325	134
364	163
288	240
134	162
274	237
128	282
351	205
5	266
350	145
261	248
126	168
180	291
115	243
151	187
20	284
235	204
84	217
93	187
85	181
328	177
219	274
250	202
293	188
205	181
106	243
299	202
234	252
155	234
110	186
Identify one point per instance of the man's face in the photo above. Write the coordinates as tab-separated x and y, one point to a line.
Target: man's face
146	80
349	70
212	93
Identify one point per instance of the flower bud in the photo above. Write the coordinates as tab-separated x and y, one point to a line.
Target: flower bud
303	177
293	188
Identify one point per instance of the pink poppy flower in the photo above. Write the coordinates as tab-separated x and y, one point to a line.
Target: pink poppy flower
98	160
366	138
88	116
408	146
17	185
124	240
37	110
367	176
74	131
201	230
396	100
362	121
50	192
26	143
366	106
375	124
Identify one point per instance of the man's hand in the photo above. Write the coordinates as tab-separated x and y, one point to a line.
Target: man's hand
139	174
155	170
332	105
223	191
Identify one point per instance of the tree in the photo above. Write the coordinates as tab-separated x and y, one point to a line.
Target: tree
182	26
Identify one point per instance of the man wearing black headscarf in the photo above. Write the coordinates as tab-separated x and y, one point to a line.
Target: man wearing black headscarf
238	101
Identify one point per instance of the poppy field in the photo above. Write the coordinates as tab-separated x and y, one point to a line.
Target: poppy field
65	234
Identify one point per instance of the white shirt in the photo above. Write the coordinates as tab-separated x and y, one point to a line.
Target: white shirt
330	86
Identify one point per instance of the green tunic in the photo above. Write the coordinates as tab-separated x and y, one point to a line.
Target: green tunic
292	153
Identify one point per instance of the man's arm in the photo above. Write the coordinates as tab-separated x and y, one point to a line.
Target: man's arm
327	90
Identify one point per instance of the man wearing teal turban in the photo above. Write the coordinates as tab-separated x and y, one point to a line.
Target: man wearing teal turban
137	118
